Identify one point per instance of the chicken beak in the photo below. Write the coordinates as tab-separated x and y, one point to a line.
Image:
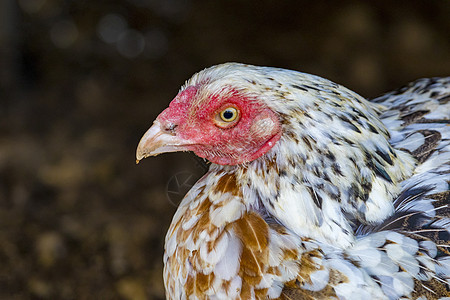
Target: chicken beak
156	140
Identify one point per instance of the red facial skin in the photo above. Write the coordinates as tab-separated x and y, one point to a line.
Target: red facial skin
255	132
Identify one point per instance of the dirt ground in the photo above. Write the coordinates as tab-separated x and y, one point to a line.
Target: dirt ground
81	81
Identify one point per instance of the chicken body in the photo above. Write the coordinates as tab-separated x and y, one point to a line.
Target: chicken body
313	192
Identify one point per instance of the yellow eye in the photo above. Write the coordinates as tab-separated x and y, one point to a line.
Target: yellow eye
227	117
229	114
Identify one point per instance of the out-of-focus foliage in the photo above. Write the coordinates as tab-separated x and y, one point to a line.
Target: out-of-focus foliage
80	82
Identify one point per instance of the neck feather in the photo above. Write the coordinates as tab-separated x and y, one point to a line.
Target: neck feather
319	190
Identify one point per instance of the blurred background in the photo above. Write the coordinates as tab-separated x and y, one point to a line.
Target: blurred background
81	81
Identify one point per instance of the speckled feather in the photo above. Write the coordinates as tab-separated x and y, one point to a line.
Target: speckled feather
350	203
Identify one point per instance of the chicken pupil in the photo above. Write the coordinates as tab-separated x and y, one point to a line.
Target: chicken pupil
228	114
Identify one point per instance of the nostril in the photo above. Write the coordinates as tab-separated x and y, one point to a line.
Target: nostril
170	127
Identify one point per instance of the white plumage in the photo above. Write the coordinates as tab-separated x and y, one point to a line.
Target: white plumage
313	191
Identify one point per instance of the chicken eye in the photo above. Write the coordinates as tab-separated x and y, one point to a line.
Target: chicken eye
229	114
227	117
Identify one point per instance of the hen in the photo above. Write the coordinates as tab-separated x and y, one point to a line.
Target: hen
313	192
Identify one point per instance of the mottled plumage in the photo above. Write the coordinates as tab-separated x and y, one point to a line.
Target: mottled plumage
313	193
